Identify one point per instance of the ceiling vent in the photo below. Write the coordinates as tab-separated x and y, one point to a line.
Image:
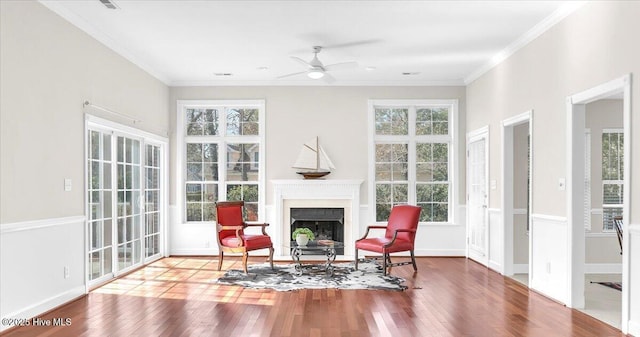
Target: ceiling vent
109	4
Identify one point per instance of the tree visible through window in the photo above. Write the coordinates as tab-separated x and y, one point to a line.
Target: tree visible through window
222	156
612	176
412	159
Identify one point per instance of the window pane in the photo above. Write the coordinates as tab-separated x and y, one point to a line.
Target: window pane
95	145
242	121
240	164
392	121
201	122
194	152
612	194
432	121
383	193
251	211
210	193
209	210
194	192
612	156
432	162
608	213
194	211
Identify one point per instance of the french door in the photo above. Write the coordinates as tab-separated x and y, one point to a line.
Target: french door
125	192
477	203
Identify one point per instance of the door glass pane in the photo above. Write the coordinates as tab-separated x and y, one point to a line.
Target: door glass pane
99	203
152	201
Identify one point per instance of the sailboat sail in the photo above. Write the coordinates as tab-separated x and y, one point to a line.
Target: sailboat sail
313	157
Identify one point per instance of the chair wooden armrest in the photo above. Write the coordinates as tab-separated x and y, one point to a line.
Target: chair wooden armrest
395	234
263	225
366	233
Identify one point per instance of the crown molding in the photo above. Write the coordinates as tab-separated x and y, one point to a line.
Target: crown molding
546	24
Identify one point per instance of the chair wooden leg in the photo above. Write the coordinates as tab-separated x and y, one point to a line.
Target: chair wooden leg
245	258
356	262
413	260
220	257
271	256
384	264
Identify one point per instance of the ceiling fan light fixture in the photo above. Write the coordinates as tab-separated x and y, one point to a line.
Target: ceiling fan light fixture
315	74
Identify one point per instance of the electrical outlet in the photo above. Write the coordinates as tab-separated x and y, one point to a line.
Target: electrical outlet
66	272
67	184
207	244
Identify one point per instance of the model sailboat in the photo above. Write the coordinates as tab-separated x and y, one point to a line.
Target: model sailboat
313	160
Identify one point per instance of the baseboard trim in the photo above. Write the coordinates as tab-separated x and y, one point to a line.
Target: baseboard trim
45	305
603	268
634	328
496	266
521	268
440	252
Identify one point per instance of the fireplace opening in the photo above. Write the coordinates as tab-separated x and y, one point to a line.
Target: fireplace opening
325	223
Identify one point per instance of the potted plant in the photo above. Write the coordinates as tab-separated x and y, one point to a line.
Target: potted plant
302	235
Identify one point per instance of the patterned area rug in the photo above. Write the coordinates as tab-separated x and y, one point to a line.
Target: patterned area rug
614	285
284	278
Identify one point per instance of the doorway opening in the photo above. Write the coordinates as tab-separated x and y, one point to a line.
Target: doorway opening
577	119
517	199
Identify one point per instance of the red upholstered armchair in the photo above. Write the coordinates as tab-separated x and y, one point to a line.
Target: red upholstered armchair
399	236
231	236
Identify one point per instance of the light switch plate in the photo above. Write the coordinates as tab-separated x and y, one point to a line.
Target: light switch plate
562	184
67	184
494	184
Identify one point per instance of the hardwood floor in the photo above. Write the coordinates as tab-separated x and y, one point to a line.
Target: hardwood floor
447	297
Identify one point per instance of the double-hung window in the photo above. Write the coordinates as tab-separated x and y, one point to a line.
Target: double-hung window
411	157
222	156
612	176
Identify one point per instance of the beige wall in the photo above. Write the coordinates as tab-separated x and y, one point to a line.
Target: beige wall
594	45
337	115
47	69
520	193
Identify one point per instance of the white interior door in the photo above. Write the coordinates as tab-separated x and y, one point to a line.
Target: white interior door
477	202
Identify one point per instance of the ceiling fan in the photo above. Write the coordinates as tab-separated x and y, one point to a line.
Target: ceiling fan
317	70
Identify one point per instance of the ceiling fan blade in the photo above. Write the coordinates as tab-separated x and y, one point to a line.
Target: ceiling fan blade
341	66
292	74
328	78
301	61
352	44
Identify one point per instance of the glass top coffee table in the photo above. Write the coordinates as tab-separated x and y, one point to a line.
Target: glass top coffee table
320	247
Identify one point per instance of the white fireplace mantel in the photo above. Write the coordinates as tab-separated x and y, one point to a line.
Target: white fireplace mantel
316	193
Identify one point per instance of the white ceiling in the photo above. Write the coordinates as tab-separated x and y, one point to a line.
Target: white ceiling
188	42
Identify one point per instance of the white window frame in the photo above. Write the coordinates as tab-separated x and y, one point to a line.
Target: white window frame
608	228
222	139
451	139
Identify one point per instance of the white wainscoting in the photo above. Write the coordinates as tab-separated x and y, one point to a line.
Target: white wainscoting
603	268
431	240
496	240
634	279
33	255
550	264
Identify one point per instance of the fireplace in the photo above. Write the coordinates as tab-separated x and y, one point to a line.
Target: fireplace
316	194
325	223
